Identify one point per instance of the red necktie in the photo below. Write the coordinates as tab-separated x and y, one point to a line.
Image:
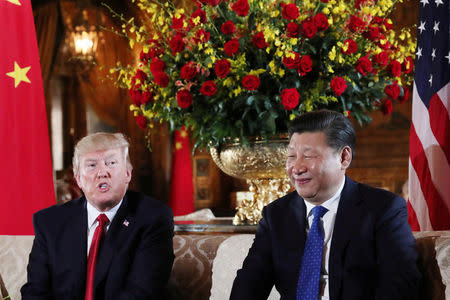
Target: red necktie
92	258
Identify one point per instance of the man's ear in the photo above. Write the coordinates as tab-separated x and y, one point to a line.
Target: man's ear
128	178
77	177
346	157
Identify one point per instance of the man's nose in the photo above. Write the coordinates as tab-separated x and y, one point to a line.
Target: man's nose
102	171
299	166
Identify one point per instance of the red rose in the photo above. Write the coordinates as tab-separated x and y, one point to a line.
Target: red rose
290	11
309	28
373	34
144	57
184	98
348	114
387	24
363	65
156	49
208	88
139	97
324	1
352	47
356	24
377	20
157	65
201	36
387	107
199	13
383	43
241	7
140	75
359	3
292	30
321	21
259	41
305	65
177	23
396	68
141	121
177	44
289	98
214	2
250	82
408	65
392	90
405	96
228	27
292	63
382	58
161	79
189	71
222	68
338	85
231	47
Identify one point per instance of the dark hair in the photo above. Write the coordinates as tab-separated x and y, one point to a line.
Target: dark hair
338	129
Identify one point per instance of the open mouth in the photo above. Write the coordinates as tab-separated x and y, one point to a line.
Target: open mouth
103	187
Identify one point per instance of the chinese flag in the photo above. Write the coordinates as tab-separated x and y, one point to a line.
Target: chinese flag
26	179
182	188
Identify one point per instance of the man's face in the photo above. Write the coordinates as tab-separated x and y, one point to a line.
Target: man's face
315	169
103	176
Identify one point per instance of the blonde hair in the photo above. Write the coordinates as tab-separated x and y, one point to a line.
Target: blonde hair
100	141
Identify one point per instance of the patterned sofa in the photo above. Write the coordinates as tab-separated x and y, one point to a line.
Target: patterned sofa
205	264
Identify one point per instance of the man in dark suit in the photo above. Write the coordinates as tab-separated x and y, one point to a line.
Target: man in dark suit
110	243
332	238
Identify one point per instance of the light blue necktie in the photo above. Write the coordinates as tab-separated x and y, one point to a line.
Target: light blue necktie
308	280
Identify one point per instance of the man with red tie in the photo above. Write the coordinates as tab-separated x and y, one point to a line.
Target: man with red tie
332	238
110	243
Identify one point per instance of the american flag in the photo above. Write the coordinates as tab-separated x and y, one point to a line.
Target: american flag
429	170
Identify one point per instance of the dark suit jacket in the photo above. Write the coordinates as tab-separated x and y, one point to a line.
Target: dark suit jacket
372	253
134	262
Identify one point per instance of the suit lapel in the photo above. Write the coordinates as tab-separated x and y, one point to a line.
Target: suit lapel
78	243
299	210
347	222
115	235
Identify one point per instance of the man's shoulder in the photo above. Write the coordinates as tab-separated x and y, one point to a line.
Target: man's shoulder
284	202
375	197
145	206
61	209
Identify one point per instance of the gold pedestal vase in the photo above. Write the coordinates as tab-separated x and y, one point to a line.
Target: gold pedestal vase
262	164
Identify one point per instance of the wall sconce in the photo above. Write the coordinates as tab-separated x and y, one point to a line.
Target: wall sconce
83	37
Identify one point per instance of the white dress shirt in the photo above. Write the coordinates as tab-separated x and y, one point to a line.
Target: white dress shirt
328	224
92	214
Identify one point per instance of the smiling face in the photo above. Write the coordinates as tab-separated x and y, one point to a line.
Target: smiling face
315	169
103	176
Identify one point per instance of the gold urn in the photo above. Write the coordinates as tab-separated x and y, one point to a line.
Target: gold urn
262	164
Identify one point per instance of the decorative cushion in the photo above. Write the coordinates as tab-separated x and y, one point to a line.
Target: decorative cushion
14	252
229	259
191	272
434	263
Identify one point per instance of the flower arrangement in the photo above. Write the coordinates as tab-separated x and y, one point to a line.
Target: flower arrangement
240	68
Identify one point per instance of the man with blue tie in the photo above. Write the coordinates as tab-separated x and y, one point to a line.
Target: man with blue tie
332	238
110	243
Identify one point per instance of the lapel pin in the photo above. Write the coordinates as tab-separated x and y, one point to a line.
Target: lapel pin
126	223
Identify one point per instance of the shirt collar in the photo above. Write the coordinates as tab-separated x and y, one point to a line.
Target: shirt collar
93	213
331	204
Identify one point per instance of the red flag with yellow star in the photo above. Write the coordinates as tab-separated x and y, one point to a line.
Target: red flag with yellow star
182	188
26	180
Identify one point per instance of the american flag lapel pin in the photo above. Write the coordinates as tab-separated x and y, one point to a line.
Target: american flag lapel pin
126	223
